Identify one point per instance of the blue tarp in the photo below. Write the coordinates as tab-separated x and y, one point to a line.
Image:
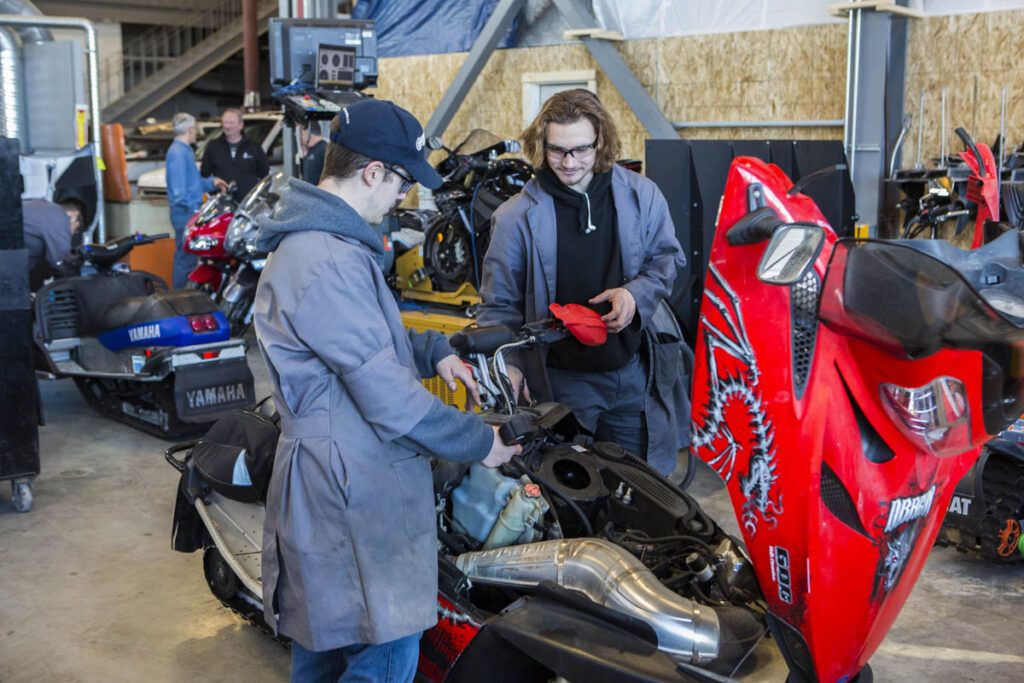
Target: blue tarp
426	27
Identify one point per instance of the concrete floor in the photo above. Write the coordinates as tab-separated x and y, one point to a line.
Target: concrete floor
90	589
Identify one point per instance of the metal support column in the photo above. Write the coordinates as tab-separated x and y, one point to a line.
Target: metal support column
483	46
250	53
876	65
621	76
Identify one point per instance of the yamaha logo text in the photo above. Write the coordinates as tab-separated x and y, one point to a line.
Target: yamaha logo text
215	396
781	572
143	332
903	510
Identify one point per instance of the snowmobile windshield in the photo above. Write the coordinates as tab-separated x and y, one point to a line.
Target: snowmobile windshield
899	297
477	141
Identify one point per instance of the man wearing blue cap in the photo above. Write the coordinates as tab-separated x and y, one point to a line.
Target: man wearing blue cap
350	540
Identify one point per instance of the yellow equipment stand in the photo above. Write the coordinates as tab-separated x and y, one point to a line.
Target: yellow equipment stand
446	323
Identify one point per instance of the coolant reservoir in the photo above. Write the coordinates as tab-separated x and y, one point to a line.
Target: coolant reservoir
481	497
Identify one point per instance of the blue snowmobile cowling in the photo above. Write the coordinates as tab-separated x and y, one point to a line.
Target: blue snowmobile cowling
180	330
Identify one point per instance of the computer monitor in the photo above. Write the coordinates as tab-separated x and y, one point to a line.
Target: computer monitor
294	49
335	67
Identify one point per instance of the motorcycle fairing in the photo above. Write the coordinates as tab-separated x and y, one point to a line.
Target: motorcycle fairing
837	506
214	228
176	331
205	274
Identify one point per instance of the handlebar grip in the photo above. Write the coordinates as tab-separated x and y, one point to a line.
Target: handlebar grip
756	226
485	340
969	142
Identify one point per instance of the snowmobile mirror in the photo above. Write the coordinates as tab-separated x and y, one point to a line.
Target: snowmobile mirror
790	253
434	143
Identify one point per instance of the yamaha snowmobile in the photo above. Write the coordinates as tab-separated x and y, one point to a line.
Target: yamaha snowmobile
159	360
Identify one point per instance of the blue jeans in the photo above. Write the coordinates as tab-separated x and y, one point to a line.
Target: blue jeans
184	262
393	662
611	404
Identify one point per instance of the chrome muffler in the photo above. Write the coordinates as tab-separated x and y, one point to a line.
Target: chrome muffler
610	576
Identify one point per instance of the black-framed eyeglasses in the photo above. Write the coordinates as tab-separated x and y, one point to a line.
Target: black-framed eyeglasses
562	152
407	180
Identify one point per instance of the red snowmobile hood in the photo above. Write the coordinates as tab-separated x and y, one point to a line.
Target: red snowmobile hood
838	497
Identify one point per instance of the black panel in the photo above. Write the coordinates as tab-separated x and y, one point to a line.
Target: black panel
19	419
692	174
803	301
871	442
838	501
794	650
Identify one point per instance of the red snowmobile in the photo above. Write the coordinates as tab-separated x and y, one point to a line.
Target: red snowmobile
842	388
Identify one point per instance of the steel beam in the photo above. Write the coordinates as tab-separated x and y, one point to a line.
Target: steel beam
621	76
876	64
484	45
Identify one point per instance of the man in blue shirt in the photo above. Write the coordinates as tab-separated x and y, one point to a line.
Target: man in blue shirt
185	189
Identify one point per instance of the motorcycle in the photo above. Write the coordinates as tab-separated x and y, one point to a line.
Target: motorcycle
841	389
156	359
839	439
438	255
204	237
238	296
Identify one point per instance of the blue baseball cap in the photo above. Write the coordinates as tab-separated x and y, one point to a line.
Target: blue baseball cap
384	131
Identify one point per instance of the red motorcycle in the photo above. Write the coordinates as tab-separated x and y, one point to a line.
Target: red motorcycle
204	237
842	388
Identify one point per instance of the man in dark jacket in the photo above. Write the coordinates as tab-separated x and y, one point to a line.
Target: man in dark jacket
234	157
589	232
350	538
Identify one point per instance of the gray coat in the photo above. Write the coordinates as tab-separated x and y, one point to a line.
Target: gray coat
518	285
350	543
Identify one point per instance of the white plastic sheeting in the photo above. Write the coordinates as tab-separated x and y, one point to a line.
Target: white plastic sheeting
660	18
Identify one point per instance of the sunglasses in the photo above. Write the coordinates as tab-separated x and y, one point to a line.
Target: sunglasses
407	180
562	152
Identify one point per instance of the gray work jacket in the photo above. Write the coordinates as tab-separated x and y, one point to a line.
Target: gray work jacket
518	285
349	541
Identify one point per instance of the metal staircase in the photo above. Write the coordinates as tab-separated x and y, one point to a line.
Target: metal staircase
162	61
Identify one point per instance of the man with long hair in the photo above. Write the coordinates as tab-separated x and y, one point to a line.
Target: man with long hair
590	232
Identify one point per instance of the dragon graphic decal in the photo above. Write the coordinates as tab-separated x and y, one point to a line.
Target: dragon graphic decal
710	429
902	526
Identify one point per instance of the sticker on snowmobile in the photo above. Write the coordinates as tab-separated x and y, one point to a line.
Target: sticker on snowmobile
138	362
709	429
780	572
960	505
903	523
144	332
215	396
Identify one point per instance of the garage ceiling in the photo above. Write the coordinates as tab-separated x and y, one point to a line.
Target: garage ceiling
168	12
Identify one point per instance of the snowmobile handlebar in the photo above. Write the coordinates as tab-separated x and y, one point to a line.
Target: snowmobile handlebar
969	142
756	226
487	340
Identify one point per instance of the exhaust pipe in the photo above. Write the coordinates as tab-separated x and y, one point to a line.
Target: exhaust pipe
609	576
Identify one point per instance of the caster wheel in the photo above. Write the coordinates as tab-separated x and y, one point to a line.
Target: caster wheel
21	494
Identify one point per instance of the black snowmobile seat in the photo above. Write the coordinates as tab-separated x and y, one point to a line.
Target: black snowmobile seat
144	309
242	433
73	306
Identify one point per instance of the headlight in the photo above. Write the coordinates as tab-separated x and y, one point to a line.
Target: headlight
241	233
203	243
936	416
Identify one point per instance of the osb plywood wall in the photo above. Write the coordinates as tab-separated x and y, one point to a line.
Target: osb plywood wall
781	74
972	56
